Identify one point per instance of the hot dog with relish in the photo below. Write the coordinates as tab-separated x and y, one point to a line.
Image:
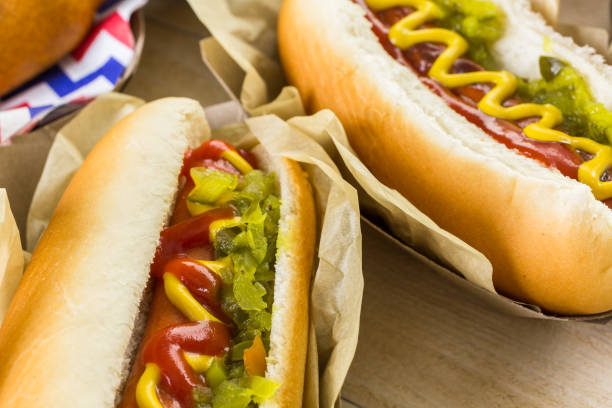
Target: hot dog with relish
239	239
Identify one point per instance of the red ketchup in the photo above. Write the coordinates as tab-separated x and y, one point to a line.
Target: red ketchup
201	282
464	100
166	349
207	155
191	233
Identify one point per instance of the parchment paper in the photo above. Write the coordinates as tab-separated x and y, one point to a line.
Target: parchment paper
337	283
11	256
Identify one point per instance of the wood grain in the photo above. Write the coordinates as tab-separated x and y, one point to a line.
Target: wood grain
176	15
425	343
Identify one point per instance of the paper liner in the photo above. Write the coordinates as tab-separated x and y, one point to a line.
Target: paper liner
337	283
247	31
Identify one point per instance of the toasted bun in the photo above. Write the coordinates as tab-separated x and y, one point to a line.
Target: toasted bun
548	239
68	337
35	34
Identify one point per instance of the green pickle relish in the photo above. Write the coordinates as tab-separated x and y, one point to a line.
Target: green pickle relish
478	21
248	288
564	88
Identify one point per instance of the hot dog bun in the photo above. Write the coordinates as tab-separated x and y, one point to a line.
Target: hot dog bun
72	328
548	238
289	337
36	34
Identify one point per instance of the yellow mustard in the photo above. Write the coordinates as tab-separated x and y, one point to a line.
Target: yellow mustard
218	225
199	362
237	160
179	295
404	34
217	265
146	389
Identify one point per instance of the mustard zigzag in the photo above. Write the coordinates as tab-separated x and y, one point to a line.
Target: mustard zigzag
404	34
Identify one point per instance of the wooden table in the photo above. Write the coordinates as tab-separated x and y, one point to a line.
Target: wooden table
423	341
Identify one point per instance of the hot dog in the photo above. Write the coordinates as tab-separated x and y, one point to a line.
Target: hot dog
221	239
491	123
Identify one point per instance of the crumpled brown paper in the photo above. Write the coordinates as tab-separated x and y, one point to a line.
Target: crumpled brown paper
11	256
337	283
247	31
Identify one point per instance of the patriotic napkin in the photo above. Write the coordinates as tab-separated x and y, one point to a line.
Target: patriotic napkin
93	68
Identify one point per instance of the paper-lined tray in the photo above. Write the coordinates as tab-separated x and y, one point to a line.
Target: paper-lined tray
11	256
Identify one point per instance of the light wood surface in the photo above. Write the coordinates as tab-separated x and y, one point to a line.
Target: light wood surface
423	341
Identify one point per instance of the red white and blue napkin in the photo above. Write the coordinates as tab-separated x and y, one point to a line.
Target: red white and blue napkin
93	68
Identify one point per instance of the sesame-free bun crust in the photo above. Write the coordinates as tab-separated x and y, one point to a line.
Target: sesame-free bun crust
35	34
68	337
549	240
286	362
